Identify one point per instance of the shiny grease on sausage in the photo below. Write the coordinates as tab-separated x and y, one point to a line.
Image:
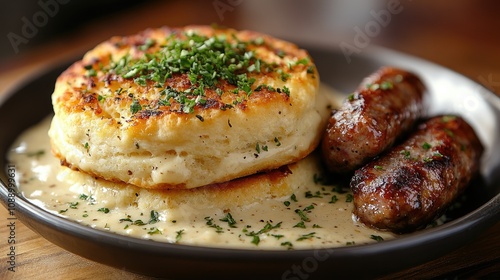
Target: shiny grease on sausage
385	106
416	181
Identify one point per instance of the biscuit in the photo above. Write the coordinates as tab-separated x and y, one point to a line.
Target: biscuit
175	108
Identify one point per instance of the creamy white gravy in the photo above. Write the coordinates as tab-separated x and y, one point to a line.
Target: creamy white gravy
313	216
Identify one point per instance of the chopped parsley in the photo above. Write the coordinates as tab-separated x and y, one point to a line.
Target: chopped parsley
219	63
310	194
386	85
307	236
210	222
287	244
302	215
448	118
206	61
300	224
426	146
154	230
406	154
378	167
376	238
154	217
135	107
268	227
104	210
36	153
277	142
179	233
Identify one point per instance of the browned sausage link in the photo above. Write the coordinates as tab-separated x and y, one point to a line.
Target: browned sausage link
414	183
385	106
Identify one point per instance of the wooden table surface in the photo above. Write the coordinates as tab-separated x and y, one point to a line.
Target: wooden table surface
463	37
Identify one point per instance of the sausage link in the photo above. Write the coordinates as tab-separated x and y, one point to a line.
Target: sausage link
385	106
416	181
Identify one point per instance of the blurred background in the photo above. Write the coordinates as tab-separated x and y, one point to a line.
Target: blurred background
461	35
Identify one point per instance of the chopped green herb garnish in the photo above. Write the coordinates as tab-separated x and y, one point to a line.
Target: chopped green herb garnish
406	154
139	223
302	215
258	41
306	236
300	225
154	230
438	154
269	227
36	153
309	208
153	217
277	142
334	199
349	198
277	236
286	90
206	61
426	146
373	86
284	76
179	233
309	194
449	132
448	118
386	85
148	44
303	61
255	239
317	179
293	198
135	107
376	238
104	210
91	72
210	223
378	167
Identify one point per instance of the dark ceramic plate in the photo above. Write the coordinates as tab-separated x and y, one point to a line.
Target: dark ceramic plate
451	93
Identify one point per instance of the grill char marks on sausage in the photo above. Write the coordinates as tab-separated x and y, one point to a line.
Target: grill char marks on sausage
414	183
